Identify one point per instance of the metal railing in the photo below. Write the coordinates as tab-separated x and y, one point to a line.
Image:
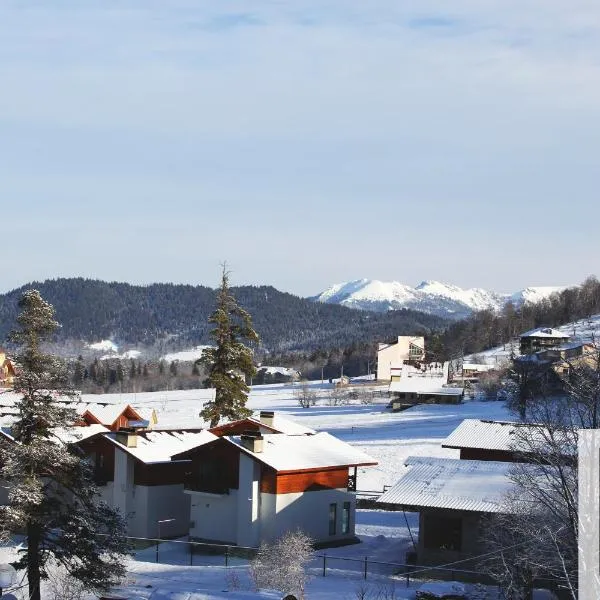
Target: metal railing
192	553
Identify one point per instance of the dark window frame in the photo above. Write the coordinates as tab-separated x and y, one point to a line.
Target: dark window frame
346	515
332	518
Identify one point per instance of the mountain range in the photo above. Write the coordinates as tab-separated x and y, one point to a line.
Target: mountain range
432	297
162	318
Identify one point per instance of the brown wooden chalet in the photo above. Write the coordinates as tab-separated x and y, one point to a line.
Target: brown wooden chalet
112	416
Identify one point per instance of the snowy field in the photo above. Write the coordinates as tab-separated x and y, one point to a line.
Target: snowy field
388	437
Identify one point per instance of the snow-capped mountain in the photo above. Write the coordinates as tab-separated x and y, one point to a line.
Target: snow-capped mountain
429	296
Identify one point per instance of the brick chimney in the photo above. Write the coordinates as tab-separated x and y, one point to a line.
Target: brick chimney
253	441
267	417
127	436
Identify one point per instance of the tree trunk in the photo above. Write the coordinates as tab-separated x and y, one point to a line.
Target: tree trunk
33	560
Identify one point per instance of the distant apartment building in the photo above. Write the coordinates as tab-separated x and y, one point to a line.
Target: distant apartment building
407	350
7	370
541	338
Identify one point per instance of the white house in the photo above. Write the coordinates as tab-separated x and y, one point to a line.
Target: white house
137	474
256	487
408	349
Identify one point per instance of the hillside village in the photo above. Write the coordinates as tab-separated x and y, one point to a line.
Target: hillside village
248	481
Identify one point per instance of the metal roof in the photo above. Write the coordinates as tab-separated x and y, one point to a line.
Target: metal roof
485	435
470	485
525	438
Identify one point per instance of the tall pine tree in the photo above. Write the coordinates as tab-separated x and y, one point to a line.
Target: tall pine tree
230	361
52	495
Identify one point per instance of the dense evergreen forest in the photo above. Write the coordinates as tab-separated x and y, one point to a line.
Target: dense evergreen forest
166	317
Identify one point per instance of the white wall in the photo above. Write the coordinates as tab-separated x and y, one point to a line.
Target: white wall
106	493
395	354
214	516
144	505
248	506
123	483
246	517
160	502
308	511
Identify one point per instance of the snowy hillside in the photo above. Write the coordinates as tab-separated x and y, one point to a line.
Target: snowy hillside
584	330
429	296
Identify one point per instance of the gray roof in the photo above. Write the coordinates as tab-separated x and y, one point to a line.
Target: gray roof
487	435
470	485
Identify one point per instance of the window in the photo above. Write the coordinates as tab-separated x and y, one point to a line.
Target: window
332	519
442	533
346	518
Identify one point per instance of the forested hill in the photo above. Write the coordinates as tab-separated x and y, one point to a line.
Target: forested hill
168	316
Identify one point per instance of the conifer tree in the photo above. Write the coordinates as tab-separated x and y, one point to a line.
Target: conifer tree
230	361
52	495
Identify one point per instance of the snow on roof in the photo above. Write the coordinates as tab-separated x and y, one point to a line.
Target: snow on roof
505	436
67	435
160	446
472	485
487	435
423	385
108	414
71	435
283	425
304	452
547	332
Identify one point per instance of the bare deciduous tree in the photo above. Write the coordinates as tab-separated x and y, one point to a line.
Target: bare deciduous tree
305	396
537	536
282	564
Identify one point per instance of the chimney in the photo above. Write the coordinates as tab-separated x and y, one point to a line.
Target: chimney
127	436
267	417
253	441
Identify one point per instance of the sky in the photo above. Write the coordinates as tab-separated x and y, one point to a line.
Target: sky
304	142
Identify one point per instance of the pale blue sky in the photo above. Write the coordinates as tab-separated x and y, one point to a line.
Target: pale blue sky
306	142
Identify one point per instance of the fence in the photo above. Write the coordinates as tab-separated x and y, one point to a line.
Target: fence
187	552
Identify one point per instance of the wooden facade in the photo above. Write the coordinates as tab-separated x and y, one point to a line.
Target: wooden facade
496	455
214	468
273	482
101	453
240	427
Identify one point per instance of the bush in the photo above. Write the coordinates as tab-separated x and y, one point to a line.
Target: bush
282	564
